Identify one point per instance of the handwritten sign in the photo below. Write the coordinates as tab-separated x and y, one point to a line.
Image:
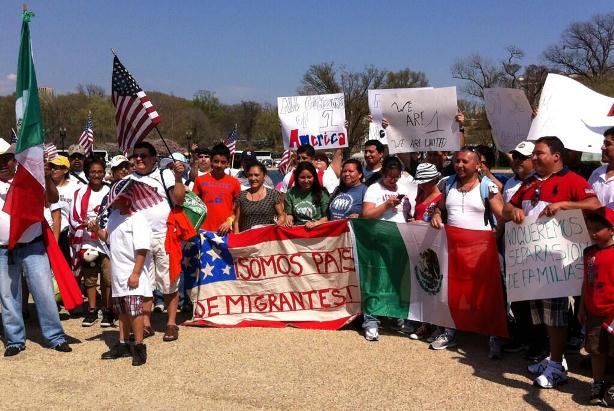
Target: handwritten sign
316	120
421	120
543	256
376	131
572	112
509	115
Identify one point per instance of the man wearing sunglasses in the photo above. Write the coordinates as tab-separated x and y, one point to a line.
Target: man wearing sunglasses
169	185
76	156
551	188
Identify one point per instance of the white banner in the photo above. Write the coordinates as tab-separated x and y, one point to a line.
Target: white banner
316	120
509	115
543	257
421	120
572	112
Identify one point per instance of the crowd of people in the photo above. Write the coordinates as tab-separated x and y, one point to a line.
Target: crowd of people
122	253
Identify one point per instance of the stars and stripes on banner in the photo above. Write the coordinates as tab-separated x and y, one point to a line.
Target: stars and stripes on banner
86	140
275	277
135	115
285	162
231	140
51	151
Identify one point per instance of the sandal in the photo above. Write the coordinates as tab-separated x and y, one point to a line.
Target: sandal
148	332
171	333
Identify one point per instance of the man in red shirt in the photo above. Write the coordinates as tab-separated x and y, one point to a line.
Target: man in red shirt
551	188
218	191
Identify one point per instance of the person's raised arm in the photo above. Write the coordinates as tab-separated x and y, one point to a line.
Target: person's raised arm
460	119
51	191
337	161
178	191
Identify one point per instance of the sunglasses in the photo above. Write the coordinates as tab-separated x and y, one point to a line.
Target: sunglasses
76	157
536	196
57	167
519	157
142	156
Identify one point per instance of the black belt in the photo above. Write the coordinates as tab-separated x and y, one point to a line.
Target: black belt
21	245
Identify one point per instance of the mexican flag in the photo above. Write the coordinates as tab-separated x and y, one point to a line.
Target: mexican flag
26	197
448	277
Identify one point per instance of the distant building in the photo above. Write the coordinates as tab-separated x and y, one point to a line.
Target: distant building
45	93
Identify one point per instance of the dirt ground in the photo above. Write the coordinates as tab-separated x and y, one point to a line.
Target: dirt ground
262	368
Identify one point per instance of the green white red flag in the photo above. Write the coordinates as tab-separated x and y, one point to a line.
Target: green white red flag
448	277
26	197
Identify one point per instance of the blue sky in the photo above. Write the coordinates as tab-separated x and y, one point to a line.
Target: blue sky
259	50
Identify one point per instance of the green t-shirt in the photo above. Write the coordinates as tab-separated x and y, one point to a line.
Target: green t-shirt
302	206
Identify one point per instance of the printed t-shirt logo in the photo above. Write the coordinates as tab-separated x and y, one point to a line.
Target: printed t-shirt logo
342	203
305	209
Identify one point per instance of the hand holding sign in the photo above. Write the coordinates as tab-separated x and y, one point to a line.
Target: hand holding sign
421	120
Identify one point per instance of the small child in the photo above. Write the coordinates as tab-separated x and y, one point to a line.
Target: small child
129	237
598	300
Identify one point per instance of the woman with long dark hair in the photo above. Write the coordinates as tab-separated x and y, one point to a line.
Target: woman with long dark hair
346	200
307	202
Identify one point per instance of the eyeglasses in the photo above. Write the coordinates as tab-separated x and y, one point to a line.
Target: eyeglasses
142	156
536	195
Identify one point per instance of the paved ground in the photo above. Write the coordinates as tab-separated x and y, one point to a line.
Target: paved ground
276	369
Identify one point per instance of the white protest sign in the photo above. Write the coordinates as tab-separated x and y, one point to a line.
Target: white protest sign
421	120
572	112
543	257
376	131
316	120
509	115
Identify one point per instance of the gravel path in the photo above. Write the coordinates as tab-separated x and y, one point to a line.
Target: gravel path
276	369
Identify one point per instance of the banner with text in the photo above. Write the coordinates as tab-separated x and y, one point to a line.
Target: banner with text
421	120
543	256
572	112
376	131
316	120
509	115
275	277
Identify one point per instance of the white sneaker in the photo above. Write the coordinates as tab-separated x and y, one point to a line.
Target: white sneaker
445	340
372	334
554	375
540	367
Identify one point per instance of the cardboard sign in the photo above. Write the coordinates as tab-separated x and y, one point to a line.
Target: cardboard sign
509	114
543	257
316	120
421	120
376	131
572	112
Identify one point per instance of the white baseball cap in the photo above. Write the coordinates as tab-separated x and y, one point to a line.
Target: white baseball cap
524	148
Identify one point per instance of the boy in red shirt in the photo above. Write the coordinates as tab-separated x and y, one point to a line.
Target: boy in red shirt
598	300
218	191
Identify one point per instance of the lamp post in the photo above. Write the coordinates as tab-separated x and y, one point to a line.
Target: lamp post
188	138
62	136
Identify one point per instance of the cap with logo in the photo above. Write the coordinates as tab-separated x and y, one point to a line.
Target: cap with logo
524	148
75	149
118	160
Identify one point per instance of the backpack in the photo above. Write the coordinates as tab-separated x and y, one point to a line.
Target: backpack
489	218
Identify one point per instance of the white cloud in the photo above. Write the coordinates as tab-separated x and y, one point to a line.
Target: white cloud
7	83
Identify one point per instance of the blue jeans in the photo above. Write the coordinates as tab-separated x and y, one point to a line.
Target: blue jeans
370	321
31	260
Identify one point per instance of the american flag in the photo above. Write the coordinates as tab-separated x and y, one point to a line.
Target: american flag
50	150
140	194
135	116
231	140
285	162
86	140
13	139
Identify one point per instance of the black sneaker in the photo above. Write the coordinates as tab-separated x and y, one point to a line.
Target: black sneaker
139	354
108	319
119	350
598	389
535	354
63	347
90	318
13	350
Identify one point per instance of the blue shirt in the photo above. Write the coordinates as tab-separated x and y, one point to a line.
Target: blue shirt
347	201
